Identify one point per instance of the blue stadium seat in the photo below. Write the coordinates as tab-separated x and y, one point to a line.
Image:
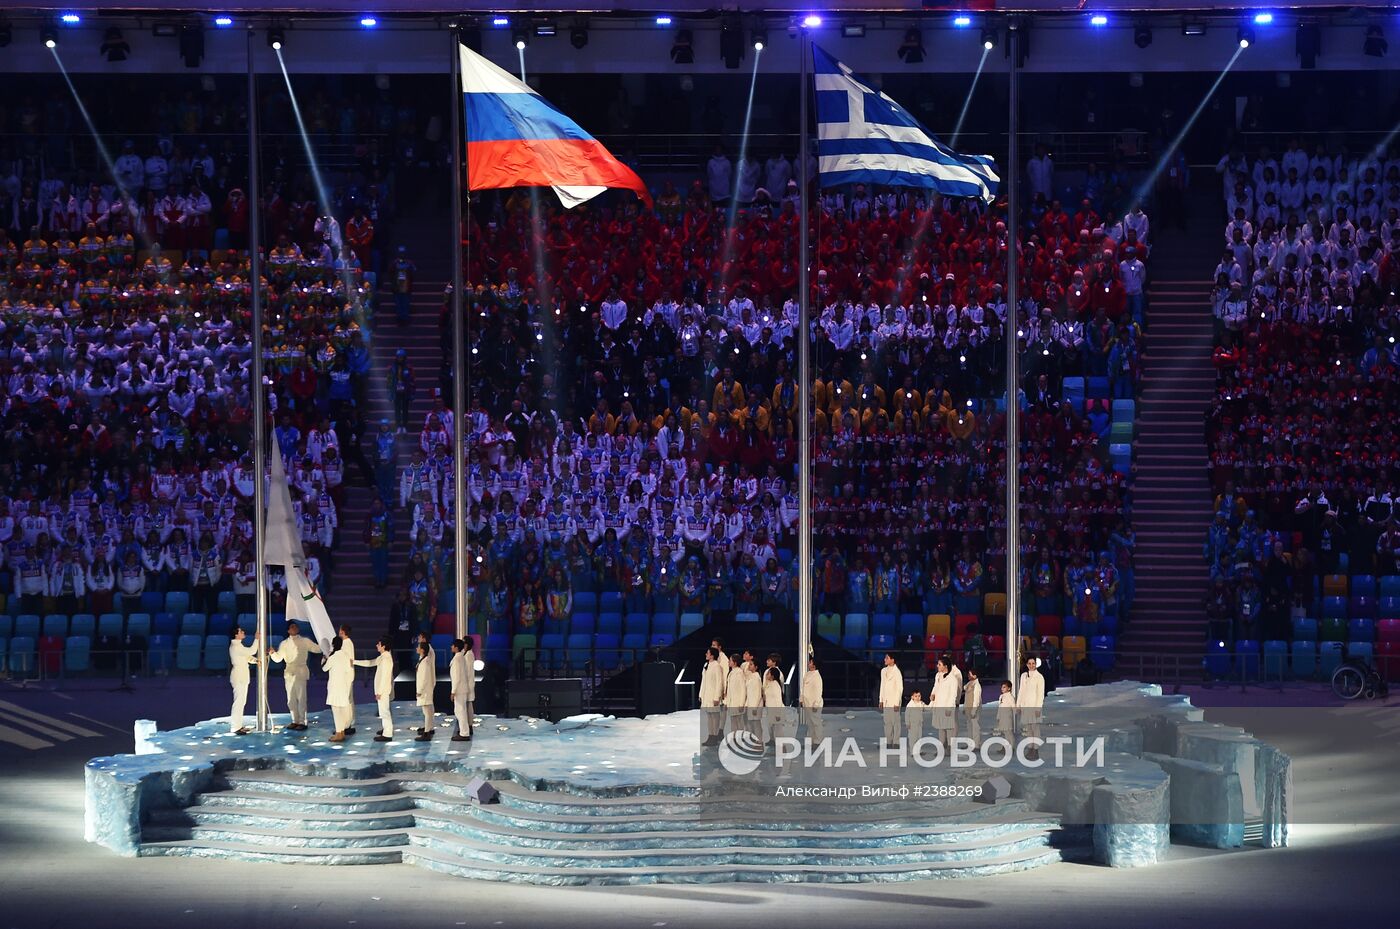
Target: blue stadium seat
7	626
1073	625
1390	585
222	624
1363	650
664	624
153	602
4	652
746	617
609	624
1275	660
1247	659
160	652
1103	652
1361	630
1108	624
55	624
1361	606
636	624
911	624
1362	585
1329	655
882	625
1096	388
829	626
166	624
1027	625
77	654
611	602
216	653
1217	661
188	652
139	625
581	624
194	624
1124	411
606	651
1072	389
111	624
83	624
634	645
1334	607
21	655
880	644
1304	657
578	651
857	624
177	602
442	650
1388	607
1120	457
551	655
227	602
854	642
561	626
28	626
496	648
1304	629
662	640
691	622
585	601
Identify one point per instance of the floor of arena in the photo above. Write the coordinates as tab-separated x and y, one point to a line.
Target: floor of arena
1346	833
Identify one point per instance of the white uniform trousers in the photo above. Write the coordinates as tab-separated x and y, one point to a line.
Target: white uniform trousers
344	716
386	718
296	696
893	730
240	702
462	707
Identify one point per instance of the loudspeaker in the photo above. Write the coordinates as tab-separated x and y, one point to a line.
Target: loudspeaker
550	699
993	789
656	688
482	792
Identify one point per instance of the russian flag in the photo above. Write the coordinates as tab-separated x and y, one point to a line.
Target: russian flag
515	138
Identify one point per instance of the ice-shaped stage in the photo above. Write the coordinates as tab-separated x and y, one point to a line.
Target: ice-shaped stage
598	800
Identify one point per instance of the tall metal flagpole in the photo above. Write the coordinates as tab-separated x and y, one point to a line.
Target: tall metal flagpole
259	397
459	338
1013	474
804	384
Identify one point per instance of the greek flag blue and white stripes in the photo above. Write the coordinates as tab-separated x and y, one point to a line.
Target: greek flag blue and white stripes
864	137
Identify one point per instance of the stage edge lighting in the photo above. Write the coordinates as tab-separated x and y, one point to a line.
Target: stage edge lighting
223	22
369	22
546	28
811	20
1193	27
1098	19
962	22
853	30
1263	19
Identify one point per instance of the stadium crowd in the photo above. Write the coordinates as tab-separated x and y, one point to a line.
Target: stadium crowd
1301	430
632	423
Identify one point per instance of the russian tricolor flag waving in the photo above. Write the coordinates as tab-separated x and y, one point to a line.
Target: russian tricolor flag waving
515	138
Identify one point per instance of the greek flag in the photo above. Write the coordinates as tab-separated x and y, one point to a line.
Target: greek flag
864	137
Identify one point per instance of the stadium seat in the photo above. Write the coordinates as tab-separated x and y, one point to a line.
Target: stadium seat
1304	630
1334	585
7	626
883	624
442	649
578	651
1363	650
4	655
1124	411
585	602
959	644
829	626
83	624
188	653
1390	586
1388	659
608	624
77	654
1107	624
1048	625
1361	630
879	644
1247	660
177	602
138	625
194	624
963	623
1275	660
55	625
996	647
216	657
606	652
110	624
1103	652
446	600
1362	585
153	602
51	654
22	657
938	624
1334	607
166	624
746	617
634	646
970	604
691	623
636	624
1329	655
1361	607
664	624
1333	629
854	642
1304	658
551	654
1072	389
1073	625
581	623
1388	607
1120	434
445	624
611	602
1027	625
1096	388
160	653
1120	457
28	626
994	605
911	626
227	602
1072	650
1217	660
495	648
1388	630
221	624
662	640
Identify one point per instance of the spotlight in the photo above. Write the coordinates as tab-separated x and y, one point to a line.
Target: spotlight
663	20
520	38
223	22
500	21
274	39
731	42
1142	36
1375	44
989	39
853	30
683	49
71	19
1098	19
1308	44
578	36
811	20
1263	19
911	50
760	39
192	44
1246	36
49	36
546	28
962	21
368	22
1193	27
114	45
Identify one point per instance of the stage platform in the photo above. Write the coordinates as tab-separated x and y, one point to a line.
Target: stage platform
602	800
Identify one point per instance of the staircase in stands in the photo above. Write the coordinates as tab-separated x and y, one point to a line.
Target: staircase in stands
422	231
1171	497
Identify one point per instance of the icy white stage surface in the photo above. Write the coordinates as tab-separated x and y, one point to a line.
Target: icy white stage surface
598	800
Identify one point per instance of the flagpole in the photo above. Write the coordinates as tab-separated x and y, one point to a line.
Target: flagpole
804	382
1013	472
259	397
459	338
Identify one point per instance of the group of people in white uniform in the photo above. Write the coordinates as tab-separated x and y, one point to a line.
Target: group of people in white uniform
735	695
339	662
951	689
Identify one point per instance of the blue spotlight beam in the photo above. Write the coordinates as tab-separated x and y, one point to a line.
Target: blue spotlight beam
957	129
1150	181
733	214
